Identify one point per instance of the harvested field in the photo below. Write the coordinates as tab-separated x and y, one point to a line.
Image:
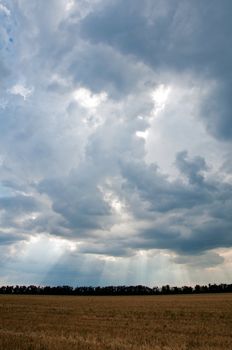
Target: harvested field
182	322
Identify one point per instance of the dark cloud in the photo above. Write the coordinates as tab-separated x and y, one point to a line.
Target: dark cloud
166	33
14	209
109	71
18	204
192	169
78	200
174	35
161	194
216	111
195	222
9	238
209	259
185	240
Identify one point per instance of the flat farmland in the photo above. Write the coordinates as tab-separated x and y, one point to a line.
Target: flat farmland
181	322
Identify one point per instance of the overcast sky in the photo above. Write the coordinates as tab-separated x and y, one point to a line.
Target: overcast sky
115	142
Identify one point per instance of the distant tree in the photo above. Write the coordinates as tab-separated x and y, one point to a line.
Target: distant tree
115	290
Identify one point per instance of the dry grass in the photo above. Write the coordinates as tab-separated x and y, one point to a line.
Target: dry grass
202	322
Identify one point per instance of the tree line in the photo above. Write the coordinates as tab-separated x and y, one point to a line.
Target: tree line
115	290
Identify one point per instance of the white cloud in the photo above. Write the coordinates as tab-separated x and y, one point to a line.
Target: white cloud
89	100
69	5
5	10
160	97
21	90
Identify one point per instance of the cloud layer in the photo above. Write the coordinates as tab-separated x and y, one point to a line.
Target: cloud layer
115	141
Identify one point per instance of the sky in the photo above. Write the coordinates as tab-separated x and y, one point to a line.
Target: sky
115	142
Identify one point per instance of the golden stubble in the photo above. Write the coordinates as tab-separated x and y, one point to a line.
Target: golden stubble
182	322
